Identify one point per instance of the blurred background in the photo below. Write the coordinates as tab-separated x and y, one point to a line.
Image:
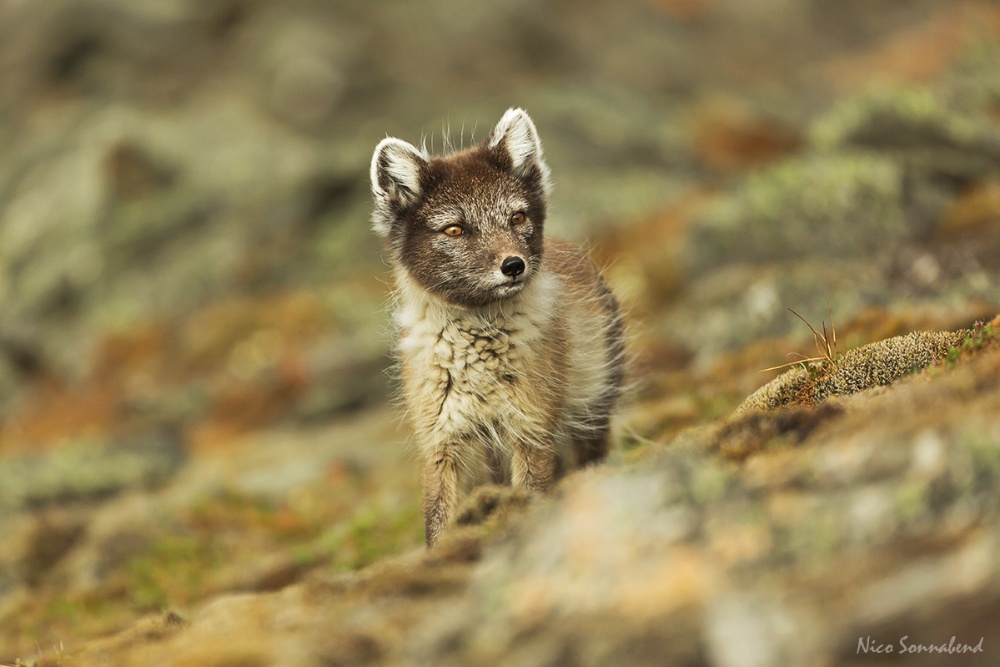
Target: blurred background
195	344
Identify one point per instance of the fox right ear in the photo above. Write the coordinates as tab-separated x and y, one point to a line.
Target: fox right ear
516	139
395	174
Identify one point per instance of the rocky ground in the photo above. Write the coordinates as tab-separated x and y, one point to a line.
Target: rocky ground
201	461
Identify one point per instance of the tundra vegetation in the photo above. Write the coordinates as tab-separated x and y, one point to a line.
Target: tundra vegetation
202	460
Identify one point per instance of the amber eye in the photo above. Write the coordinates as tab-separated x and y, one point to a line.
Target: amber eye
517	218
453	230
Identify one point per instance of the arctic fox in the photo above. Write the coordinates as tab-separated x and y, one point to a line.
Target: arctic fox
511	346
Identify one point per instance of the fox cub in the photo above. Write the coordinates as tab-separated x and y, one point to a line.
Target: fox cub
511	345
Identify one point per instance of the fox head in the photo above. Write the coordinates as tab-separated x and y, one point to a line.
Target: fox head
465	227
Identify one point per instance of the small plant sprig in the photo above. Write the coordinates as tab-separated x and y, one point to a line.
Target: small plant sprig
981	334
826	345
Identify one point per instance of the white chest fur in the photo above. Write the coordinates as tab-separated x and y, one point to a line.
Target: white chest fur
466	368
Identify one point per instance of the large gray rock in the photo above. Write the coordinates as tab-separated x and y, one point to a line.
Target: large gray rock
819	207
88	470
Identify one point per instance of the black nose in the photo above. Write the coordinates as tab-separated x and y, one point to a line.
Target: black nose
512	266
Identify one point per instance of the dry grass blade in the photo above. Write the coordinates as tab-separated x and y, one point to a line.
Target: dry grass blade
826	345
826	342
803	360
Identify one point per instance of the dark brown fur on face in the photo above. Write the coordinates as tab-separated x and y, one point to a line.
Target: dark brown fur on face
511	344
471	189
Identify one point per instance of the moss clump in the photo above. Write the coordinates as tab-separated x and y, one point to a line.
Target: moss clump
873	365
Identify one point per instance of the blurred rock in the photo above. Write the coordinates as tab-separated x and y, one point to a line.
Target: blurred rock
840	206
133	174
306	64
88	470
914	124
147	51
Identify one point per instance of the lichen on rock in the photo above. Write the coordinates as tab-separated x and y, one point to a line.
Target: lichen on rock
916	122
819	205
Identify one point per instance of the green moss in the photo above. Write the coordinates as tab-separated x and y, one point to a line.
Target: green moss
980	337
61	610
175	568
953	353
372	531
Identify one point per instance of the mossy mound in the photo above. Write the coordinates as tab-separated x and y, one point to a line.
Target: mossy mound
874	365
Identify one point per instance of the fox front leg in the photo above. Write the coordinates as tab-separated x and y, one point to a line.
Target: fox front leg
534	467
440	482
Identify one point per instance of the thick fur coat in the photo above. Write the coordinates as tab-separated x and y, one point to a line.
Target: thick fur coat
511	344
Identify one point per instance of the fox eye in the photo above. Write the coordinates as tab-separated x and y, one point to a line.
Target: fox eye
453	230
517	218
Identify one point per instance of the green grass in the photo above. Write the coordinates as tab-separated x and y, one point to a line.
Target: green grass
173	570
371	532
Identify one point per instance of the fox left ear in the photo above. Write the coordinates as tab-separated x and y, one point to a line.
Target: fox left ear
395	174
516	139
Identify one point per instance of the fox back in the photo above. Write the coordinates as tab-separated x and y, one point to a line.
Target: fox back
511	344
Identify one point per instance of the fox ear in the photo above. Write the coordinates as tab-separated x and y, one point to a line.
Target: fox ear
516	140
395	173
